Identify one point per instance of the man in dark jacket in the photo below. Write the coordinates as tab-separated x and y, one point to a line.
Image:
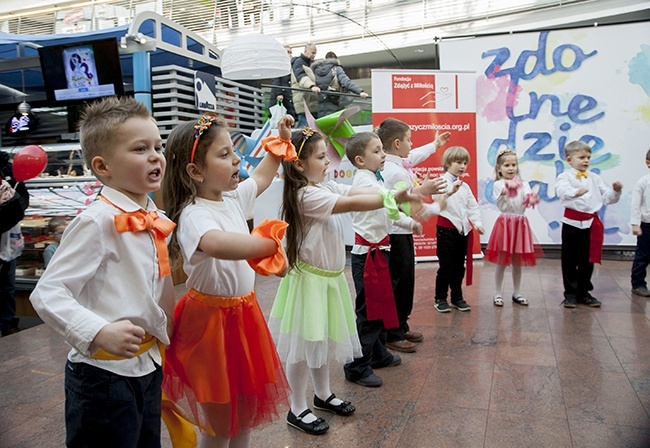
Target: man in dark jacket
12	212
330	76
282	93
303	78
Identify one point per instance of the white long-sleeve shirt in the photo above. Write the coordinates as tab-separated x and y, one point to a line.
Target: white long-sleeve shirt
507	204
372	225
99	276
641	201
395	172
461	207
567	185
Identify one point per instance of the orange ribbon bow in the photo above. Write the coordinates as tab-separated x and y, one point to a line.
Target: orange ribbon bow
580	174
150	221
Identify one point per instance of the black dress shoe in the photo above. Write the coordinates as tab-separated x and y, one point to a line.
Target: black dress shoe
316	428
346	408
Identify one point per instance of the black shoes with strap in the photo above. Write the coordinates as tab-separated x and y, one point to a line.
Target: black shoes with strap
344	409
316	428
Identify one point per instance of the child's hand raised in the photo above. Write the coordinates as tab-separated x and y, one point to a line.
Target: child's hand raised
454	187
442	139
617	186
120	338
284	127
433	186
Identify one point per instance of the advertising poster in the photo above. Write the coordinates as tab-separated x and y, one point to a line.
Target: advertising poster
537	91
430	101
80	70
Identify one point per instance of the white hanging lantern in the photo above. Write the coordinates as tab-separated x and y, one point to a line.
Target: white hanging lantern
254	56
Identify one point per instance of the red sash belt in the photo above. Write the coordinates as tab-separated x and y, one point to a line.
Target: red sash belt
380	301
596	234
447	224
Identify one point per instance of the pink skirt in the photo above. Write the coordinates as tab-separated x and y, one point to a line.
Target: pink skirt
512	242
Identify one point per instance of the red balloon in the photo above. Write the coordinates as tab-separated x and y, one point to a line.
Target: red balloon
29	162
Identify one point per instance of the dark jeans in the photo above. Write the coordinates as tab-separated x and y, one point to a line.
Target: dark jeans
576	269
302	121
641	257
371	332
452	248
7	294
103	409
402	273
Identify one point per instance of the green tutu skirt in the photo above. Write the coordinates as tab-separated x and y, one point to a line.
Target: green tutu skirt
312	318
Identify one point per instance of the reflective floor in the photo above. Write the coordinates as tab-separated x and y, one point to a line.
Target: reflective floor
515	376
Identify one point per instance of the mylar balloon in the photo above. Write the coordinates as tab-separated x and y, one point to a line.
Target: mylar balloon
29	162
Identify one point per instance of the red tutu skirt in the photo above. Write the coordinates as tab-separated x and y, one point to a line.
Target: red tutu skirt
512	242
222	369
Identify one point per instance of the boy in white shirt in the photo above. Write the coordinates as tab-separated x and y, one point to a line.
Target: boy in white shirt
454	232
109	292
395	136
641	228
375	302
582	194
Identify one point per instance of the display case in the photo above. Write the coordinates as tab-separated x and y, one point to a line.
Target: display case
65	189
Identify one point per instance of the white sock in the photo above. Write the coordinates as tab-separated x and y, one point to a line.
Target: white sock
516	280
298	376
243	441
208	441
498	279
321	379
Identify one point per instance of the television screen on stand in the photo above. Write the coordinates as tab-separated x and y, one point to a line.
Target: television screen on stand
74	73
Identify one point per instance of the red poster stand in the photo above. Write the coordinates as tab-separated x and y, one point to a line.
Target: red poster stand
430	101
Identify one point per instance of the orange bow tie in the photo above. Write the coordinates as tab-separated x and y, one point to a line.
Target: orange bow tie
580	174
150	221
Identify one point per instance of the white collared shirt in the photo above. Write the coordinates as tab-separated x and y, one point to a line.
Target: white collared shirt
395	172
372	225
641	201
567	185
99	276
461	207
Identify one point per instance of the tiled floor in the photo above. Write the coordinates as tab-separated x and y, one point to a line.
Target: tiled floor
537	376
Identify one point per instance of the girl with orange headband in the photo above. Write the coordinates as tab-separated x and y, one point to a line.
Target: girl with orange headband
222	370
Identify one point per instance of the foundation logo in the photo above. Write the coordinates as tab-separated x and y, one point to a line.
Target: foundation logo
419	91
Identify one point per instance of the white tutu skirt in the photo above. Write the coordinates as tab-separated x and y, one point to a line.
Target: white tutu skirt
312	318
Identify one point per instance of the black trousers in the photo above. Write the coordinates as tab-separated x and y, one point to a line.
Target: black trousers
576	269
371	332
452	247
402	274
641	257
7	294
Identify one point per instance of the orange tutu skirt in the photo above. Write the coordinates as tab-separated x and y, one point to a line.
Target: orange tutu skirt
222	369
512	242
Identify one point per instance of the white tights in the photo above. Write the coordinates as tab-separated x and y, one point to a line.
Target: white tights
298	376
516	279
243	441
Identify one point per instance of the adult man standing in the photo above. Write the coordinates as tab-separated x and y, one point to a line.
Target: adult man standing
302	77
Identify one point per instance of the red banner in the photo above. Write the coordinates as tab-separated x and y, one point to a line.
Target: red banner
429	102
